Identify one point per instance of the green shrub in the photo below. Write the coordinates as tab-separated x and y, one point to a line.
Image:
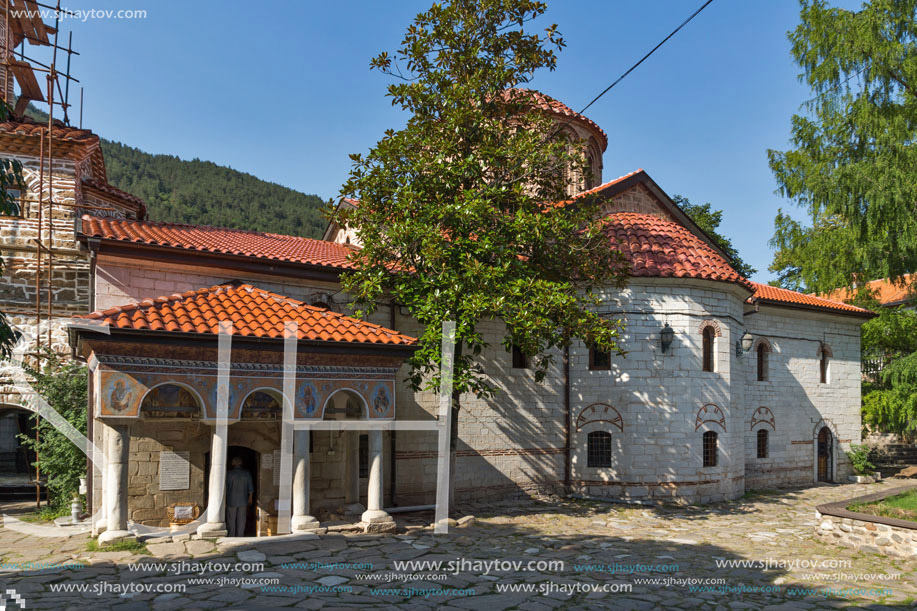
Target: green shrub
63	384
859	458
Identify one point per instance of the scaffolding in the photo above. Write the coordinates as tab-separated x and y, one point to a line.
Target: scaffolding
24	24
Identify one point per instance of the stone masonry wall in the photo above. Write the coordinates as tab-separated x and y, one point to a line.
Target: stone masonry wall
650	401
867	537
513	444
799	403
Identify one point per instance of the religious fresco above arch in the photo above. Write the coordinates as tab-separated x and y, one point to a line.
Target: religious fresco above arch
121	391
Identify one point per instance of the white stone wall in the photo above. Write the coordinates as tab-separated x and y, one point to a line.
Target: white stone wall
800	404
514	443
657	451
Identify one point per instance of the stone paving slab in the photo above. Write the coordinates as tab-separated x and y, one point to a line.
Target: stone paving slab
759	552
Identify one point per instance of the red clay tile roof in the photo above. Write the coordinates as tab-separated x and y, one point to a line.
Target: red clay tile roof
272	246
26	126
885	291
254	312
659	248
546	102
771	294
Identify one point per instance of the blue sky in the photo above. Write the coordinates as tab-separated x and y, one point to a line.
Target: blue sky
283	90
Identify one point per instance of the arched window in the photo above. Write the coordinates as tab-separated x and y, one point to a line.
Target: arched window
710	448
598	449
763	350
823	364
708	336
170	401
762	443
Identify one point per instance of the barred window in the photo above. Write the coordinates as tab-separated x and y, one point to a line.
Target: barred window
762	443
598	446
710	450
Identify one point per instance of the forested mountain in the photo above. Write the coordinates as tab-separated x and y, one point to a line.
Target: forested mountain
204	193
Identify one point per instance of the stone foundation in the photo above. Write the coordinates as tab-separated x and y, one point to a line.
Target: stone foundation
866	533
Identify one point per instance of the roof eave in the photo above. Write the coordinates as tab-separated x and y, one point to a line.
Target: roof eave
188	338
812	308
191	256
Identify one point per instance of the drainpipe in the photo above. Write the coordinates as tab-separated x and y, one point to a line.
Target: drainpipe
393	470
567	420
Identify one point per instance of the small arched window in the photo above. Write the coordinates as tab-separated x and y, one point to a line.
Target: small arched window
823	365
763	351
762	443
710	448
708	336
598	449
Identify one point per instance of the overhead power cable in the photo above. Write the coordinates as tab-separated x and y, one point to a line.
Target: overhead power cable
645	57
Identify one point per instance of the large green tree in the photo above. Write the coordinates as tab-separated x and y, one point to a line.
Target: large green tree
890	352
852	165
456	213
709	220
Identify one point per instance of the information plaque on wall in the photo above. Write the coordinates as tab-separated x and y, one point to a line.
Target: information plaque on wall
174	470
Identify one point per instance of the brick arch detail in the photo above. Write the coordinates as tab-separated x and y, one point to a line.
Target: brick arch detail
717	332
600	412
710	413
763	415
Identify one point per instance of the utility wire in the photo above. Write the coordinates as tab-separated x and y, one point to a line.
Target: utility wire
644	58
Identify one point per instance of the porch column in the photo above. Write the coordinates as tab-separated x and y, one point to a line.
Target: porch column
99	449
117	449
352	474
374	516
302	473
216	490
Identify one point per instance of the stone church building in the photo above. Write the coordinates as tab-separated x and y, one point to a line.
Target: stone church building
727	385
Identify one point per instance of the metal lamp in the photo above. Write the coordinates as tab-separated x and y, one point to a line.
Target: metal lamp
665	338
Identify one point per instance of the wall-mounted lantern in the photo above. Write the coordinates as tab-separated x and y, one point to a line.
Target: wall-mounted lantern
665	338
743	345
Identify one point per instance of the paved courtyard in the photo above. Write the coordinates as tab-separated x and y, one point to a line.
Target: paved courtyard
552	555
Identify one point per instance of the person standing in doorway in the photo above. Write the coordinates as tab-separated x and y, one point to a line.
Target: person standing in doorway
239	494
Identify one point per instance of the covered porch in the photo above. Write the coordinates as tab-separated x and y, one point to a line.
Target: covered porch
181	386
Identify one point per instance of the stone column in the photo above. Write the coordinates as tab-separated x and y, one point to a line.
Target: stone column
100	442
302	474
352	474
216	490
375	518
117	449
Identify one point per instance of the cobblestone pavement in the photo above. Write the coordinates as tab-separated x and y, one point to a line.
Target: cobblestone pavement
599	545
